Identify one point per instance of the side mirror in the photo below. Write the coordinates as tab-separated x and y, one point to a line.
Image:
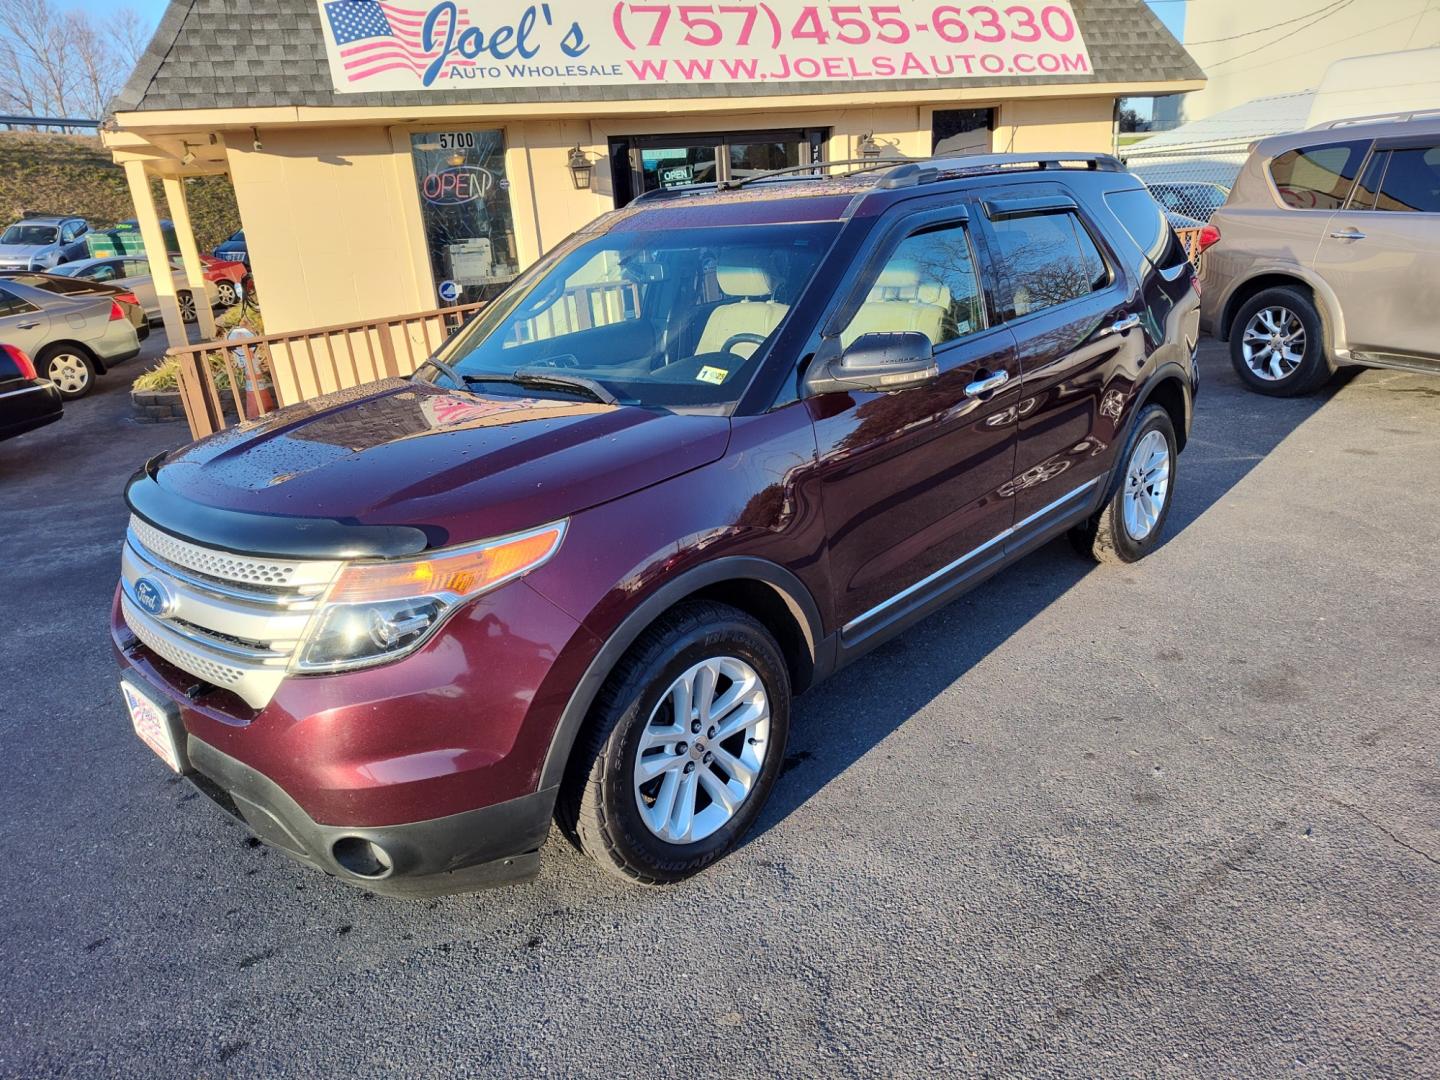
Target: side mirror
878	362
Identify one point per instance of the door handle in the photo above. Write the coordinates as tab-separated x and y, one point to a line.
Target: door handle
1348	234
988	383
1129	322
26	325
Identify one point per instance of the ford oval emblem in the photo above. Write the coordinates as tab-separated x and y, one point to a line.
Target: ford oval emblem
154	598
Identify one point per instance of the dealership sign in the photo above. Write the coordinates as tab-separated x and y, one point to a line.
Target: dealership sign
473	44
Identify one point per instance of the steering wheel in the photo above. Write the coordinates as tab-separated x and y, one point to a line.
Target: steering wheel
561	360
742	339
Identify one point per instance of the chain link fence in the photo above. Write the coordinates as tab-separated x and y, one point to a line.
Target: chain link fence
1190	180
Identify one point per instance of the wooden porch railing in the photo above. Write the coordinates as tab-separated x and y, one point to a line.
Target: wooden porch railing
262	373
1191	239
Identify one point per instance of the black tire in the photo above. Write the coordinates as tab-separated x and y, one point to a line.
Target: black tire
1314	367
74	369
1106	537
226	294
598	807
186	300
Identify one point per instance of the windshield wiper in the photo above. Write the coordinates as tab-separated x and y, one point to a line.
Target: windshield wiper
548	380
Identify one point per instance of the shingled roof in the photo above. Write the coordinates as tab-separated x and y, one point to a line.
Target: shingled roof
226	54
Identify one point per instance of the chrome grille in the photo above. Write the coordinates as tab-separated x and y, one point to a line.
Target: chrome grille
217	564
236	620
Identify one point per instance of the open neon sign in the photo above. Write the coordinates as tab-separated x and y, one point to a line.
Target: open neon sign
458	185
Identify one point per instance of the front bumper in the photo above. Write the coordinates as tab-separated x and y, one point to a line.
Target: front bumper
433	759
477	849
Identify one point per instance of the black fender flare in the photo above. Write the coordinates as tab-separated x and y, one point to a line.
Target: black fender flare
790	589
1168	371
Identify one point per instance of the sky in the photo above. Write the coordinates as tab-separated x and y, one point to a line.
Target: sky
1172	12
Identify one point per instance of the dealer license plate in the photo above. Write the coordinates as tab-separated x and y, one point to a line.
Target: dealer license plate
157	724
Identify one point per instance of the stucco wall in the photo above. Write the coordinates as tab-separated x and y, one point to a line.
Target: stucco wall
329	240
1243	61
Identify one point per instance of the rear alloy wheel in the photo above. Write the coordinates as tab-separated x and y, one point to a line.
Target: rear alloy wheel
226	293
72	372
1131	523
682	746
187	306
1277	344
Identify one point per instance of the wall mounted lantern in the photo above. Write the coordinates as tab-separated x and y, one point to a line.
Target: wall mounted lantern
581	168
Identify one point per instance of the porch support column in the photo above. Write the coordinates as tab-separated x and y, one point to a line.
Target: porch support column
159	259
190	254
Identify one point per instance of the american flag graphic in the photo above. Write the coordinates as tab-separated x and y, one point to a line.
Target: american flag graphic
373	36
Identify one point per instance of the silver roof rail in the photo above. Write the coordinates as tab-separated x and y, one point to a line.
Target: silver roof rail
907	172
1377	118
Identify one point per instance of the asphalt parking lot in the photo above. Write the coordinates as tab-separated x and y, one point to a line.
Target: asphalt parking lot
1175	819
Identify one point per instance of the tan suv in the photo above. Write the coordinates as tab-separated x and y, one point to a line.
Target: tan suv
1329	254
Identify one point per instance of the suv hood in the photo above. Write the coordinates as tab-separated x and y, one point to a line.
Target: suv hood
15	252
459	466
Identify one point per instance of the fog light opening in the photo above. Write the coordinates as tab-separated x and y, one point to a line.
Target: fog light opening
362	857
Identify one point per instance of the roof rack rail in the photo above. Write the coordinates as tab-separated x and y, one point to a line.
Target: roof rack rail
906	172
1377	118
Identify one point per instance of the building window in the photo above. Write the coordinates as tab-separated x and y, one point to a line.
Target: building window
465	206
641	163
961	131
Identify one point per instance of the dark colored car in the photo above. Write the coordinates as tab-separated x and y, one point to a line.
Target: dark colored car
233	249
26	402
1195	199
710	449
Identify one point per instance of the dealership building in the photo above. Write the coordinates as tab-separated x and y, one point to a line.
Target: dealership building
394	158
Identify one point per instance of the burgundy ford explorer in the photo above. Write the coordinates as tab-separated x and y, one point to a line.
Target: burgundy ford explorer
709	449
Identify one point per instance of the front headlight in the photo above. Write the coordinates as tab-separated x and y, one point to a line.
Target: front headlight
375	612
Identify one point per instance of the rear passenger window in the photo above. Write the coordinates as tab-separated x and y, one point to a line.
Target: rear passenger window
927	284
10	304
1319	177
1051	259
1143	219
1412	182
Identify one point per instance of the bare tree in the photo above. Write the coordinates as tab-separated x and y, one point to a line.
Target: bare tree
56	63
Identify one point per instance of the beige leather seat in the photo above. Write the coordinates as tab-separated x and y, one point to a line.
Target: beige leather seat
898	301
751	311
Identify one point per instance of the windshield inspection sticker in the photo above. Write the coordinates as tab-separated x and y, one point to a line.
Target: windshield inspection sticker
712	375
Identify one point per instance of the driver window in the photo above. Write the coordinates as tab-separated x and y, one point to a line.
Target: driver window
600	293
928	284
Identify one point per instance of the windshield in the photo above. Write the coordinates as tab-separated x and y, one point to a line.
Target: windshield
669	317
30	235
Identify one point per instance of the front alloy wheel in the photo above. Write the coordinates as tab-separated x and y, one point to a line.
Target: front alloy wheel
681	747
187	306
702	751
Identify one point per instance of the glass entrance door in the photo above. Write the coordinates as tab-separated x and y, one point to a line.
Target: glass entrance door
644	163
